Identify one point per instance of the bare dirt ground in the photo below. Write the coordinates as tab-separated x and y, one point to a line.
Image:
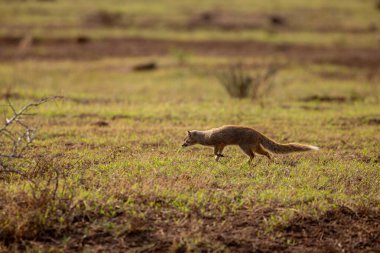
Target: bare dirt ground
83	48
339	230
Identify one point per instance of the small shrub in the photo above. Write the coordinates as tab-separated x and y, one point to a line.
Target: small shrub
276	20
104	18
16	135
145	66
181	56
239	83
236	81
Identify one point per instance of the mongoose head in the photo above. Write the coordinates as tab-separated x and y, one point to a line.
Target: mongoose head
190	139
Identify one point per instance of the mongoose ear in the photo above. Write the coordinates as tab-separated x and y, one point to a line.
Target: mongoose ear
188	133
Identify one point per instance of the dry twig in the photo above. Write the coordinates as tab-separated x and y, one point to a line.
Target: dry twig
16	135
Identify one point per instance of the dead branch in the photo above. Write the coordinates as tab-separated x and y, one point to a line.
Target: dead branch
16	135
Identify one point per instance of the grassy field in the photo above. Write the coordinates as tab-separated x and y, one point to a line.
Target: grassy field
107	171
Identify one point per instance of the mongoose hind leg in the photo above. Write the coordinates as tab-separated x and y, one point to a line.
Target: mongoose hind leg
248	151
260	150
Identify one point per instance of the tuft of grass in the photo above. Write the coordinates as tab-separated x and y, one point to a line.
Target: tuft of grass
239	83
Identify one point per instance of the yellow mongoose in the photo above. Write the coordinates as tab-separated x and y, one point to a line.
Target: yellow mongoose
248	139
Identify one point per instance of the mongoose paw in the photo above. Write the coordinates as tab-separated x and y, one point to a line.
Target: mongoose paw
217	158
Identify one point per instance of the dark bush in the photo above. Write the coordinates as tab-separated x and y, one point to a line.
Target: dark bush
239	83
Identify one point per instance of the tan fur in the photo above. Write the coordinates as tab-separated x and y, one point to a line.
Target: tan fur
249	140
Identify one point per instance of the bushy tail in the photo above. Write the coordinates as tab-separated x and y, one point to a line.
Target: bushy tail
278	148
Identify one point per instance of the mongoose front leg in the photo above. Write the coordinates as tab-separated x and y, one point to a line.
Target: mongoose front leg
218	152
250	159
